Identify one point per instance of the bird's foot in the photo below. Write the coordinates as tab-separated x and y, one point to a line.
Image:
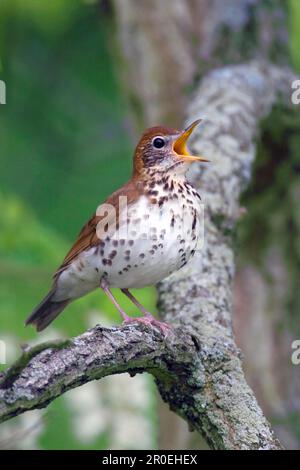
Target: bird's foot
148	319
164	327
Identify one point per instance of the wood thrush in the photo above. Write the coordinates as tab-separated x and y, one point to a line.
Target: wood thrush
143	232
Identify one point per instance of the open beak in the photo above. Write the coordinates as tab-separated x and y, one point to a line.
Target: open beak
180	147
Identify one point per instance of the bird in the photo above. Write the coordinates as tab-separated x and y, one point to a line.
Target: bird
141	234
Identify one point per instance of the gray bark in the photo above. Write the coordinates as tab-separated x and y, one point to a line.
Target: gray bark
197	367
181	366
166	45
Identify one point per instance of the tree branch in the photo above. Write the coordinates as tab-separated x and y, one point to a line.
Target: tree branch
47	371
182	367
197	367
232	101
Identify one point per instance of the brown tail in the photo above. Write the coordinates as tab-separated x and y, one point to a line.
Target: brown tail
46	312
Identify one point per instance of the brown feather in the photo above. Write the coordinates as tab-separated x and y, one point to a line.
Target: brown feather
88	237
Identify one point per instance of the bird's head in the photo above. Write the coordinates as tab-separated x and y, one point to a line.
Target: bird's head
164	150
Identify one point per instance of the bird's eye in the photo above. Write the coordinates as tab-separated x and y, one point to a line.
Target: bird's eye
159	142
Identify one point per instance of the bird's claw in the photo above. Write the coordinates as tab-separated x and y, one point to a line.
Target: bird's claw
150	320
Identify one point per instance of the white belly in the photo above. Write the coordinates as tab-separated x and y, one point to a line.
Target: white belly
155	243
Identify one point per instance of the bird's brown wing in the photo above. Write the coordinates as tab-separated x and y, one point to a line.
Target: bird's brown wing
88	236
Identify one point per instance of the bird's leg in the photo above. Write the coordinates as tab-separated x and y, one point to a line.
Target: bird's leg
149	318
105	288
137	303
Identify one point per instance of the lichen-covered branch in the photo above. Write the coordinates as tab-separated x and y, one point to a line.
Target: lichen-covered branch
180	364
46	371
232	101
197	367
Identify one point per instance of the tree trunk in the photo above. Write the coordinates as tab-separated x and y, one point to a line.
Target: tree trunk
166	47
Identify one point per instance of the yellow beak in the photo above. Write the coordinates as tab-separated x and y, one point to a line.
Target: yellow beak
180	147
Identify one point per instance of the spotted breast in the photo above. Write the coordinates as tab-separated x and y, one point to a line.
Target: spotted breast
158	237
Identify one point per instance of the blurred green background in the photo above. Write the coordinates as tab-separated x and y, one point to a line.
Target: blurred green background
64	146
